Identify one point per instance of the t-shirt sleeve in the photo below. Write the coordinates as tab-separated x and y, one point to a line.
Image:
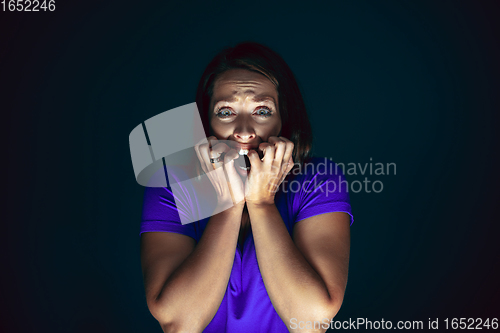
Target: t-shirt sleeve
160	213
324	189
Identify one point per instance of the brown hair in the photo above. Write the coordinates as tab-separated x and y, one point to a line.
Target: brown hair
261	59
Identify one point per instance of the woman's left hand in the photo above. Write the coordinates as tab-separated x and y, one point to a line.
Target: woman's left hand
266	175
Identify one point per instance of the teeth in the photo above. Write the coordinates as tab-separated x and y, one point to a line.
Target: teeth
243	152
243	162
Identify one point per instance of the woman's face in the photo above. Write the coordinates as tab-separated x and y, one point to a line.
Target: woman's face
244	108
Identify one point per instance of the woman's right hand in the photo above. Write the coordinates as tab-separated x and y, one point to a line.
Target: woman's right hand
230	192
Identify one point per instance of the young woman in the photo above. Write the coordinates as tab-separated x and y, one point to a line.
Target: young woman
277	259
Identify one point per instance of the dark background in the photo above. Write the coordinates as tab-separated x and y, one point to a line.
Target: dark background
410	82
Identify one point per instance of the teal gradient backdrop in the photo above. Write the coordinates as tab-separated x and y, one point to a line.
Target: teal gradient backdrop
414	83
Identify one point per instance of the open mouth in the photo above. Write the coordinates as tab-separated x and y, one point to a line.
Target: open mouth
242	162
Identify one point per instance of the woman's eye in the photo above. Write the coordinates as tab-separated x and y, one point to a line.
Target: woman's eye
223	113
264	112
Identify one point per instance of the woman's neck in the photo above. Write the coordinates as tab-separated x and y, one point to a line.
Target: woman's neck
245	226
245	218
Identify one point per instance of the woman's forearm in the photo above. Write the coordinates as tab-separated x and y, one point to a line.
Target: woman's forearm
294	287
192	295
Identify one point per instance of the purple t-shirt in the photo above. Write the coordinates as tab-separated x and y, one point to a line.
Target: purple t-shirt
317	187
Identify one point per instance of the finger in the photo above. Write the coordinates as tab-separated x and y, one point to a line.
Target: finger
203	152
206	155
217	156
229	160
216	149
289	166
218	174
212	141
232	176
280	146
262	148
285	169
255	161
213	149
268	150
289	149
281	182
219	149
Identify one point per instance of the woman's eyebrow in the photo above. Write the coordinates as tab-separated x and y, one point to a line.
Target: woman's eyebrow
258	98
264	98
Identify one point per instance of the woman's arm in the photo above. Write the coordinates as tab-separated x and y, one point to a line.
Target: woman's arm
184	283
305	279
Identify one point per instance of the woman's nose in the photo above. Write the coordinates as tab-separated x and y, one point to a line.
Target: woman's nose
244	133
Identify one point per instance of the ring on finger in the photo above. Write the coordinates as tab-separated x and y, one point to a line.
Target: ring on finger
216	159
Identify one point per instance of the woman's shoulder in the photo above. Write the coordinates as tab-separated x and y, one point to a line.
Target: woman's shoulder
317	188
